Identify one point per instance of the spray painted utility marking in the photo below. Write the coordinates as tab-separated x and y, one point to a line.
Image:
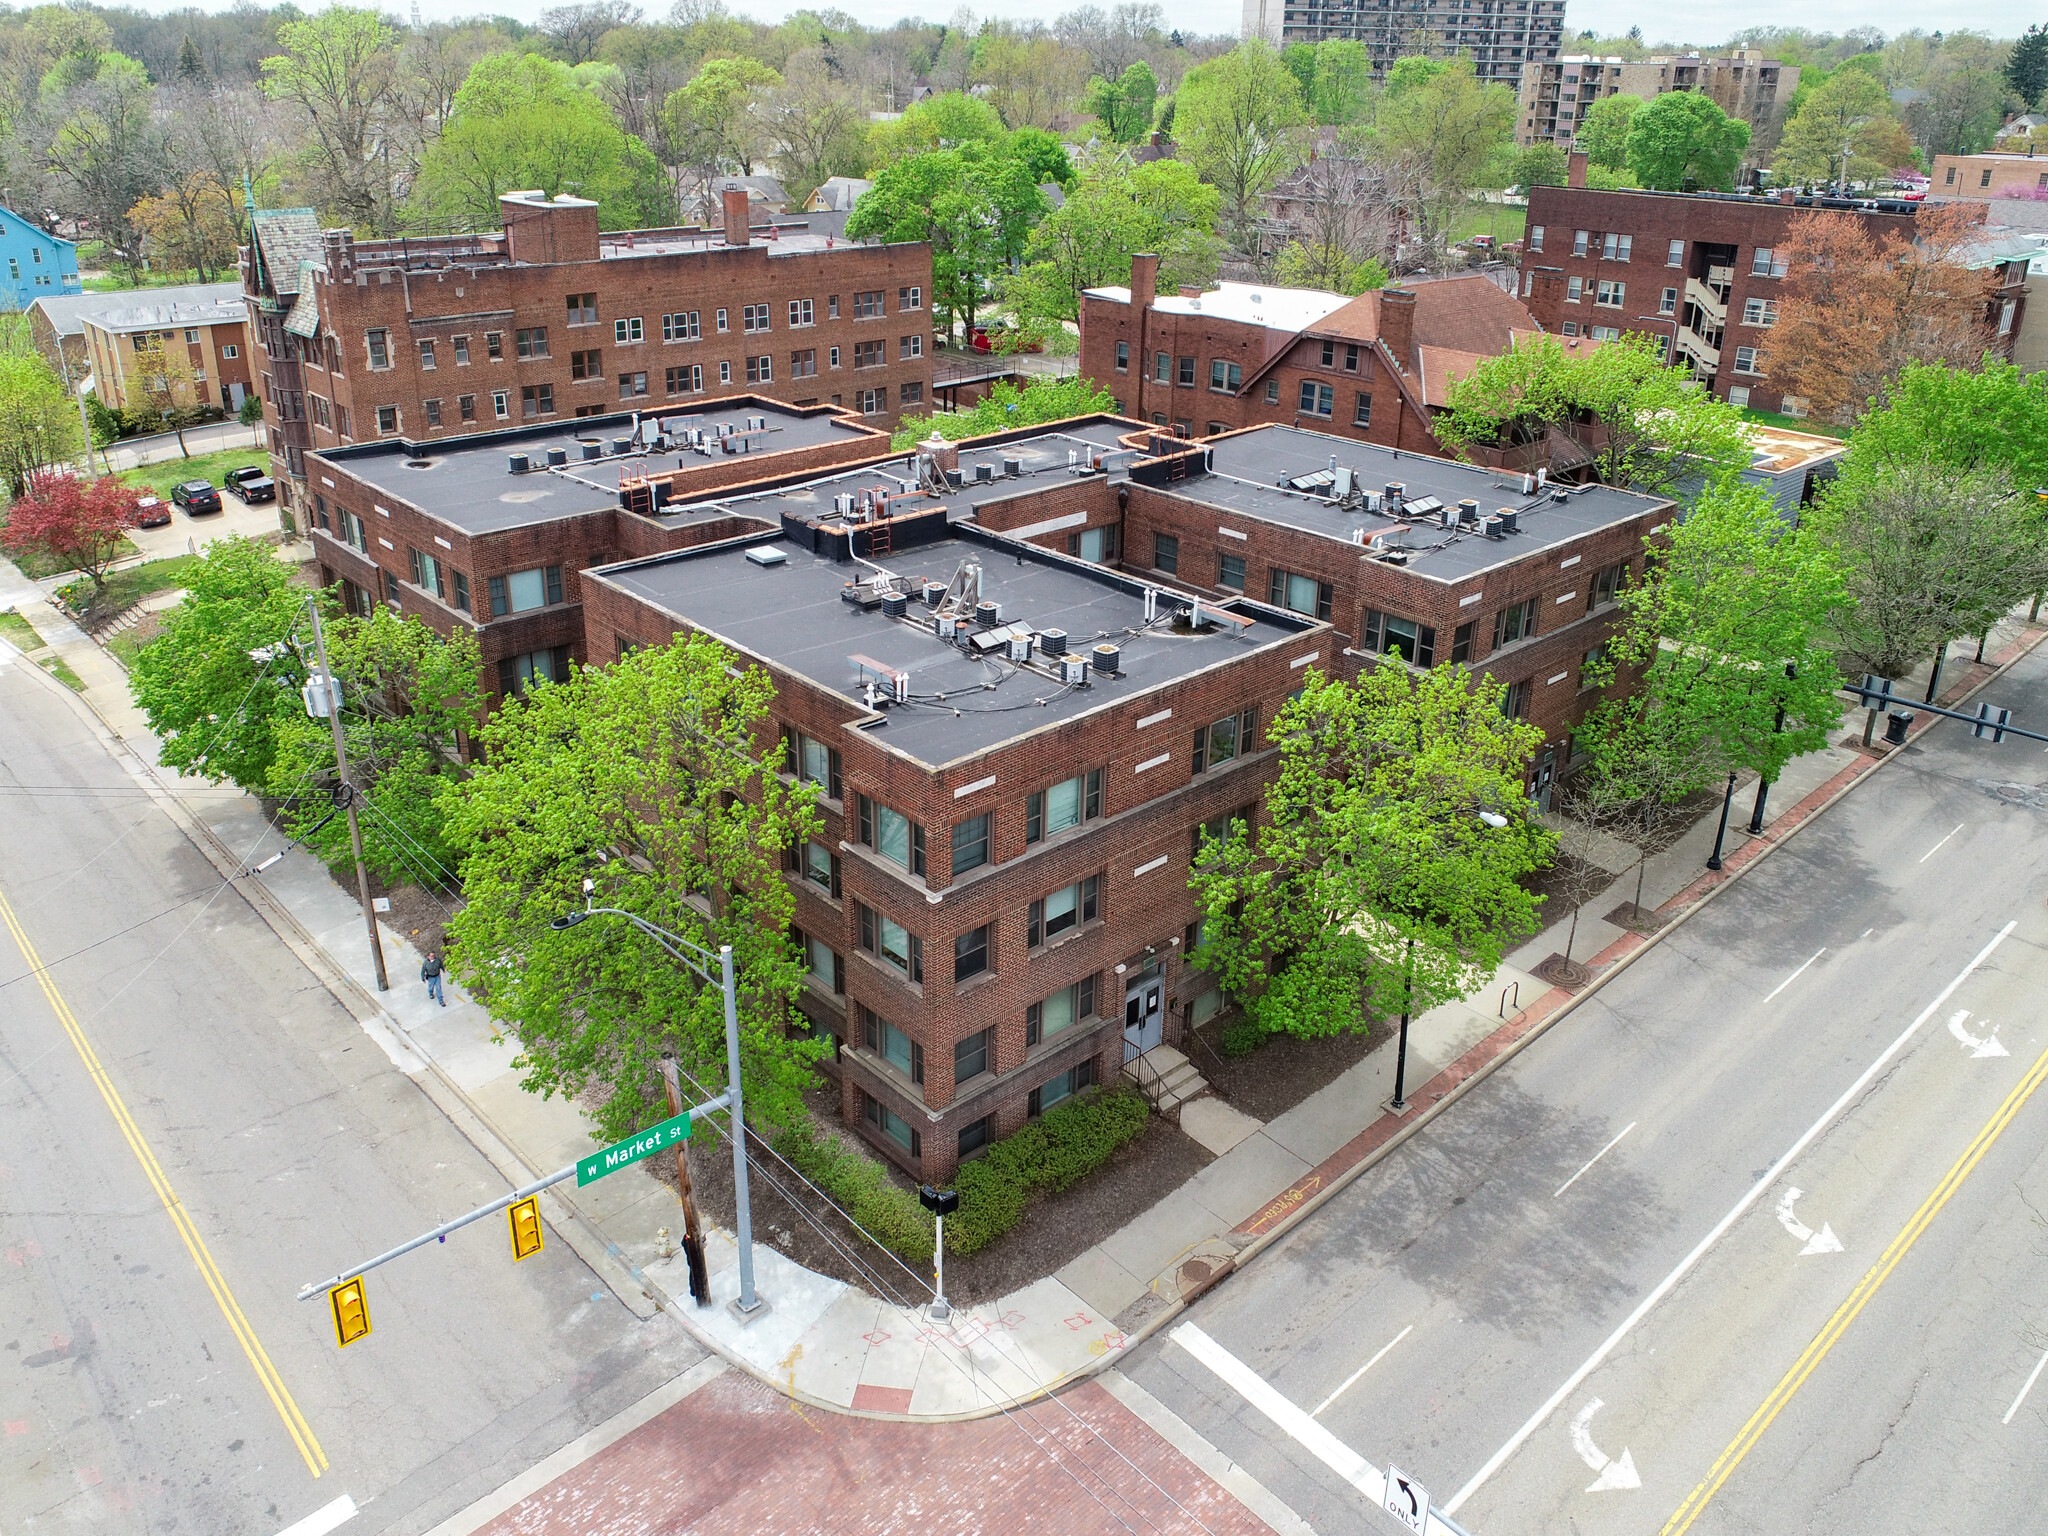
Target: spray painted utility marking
1568	1183
1781	986
2032	1377
1353	1377
1930	853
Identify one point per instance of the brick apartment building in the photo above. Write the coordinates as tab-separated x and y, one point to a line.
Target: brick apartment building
1376	368
1702	272
212	334
1999	174
1499	36
549	319
1556	94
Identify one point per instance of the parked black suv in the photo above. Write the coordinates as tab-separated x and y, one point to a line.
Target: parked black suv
196	496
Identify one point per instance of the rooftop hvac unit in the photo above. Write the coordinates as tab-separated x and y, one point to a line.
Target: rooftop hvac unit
1341	486
1509	519
984	474
725	445
1374	501
518	463
954	479
1053	642
934	592
988	614
1490	527
557	457
945	626
1013	467
592	450
1394	494
767	555
1560	497
621	444
842	503
1073	669
1109	659
1468	512
1020	648
895	605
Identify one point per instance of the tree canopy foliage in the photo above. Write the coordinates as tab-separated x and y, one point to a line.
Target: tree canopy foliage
1684	142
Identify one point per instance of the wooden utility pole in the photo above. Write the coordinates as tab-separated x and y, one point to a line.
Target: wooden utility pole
348	793
693	1231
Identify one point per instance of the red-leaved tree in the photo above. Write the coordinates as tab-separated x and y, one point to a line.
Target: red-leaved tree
79	523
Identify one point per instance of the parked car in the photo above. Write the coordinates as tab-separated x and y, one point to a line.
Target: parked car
156	512
246	472
252	488
196	497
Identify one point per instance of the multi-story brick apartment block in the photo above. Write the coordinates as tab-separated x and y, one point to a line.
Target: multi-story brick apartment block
1990	175
1556	94
456	535
56	322
1702	272
1499	36
550	319
211	334
1376	367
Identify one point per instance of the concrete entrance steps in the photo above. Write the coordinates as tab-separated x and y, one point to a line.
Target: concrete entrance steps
1167	1078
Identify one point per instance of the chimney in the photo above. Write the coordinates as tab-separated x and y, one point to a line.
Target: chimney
1144	278
1397	324
1575	172
540	230
737	231
943	454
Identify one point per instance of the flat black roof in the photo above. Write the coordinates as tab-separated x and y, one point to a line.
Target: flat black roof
793	615
467	481
1249	468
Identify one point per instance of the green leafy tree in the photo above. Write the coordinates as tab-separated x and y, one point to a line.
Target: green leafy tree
716	120
1372	886
38	420
1682	141
1043	157
1124	105
2026	67
1008	407
336	74
1837	121
1340	89
216	707
1540	165
1447	129
1315	264
1604	133
1238	121
1993	419
521	121
647	777
105	152
407	694
948	120
1088	241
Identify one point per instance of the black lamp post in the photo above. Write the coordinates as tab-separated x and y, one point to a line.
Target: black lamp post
1727	799
1399	1102
1763	783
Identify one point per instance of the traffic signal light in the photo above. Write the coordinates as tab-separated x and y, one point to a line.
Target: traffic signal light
351	1312
524	1217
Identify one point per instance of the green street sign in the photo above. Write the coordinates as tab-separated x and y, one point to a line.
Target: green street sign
594	1167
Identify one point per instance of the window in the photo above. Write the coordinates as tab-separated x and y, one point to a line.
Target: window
461	590
1064	1009
1746	360
812	762
1065	910
1984	180
1184	378
1224	378
1230	572
892	943
870	354
524	591
1515	622
501	403
753	317
586	365
1766	263
723	324
531	343
1272	391
1061	1088
1536	237
352	530
1674	254
632	385
380	348
231	351
804	364
1218	829
1329	354
1387	634
1064	806
832	356
1574	289
1361	415
426	572
1217	744
426	353
1760	312
910	346
494	346
1738	396
582	309
725	373
910	298
822	961
761	370
871	402
1606	585
1667	302
893	1046
1461	644
1579	242
462	351
433	412
680	326
387	418
1123	356
976	1136
1514	703
1950	179
518	673
1616	247
832	307
891	834
1569	328
687	379
867	306
819	865
1604	332
970	844
1166	553
1162	368
911	394
625	331
1298	594
1317	399
1592	667
321	413
894	1126
1610	294
14	268
970	953
1094	544
971	1056
537	400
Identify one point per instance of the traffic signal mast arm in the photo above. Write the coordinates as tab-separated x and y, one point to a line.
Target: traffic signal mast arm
1876	693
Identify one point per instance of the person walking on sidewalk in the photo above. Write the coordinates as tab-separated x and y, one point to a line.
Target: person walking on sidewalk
430	973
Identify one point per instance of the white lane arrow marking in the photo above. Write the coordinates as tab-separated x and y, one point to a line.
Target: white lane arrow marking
1618	1473
1823	1241
1988	1046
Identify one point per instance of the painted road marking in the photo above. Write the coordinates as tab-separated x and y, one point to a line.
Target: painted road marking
1930	853
324	1519
280	1397
1615	1473
1988	1046
1771	1176
1353	1377
1781	986
1815	1352
1823	1241
1305	1431
2033	1376
1568	1183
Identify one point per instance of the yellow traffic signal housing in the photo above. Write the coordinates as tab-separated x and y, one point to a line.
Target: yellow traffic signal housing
525	1220
351	1312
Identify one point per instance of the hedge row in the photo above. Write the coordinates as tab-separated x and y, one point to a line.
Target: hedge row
1050	1154
863	1188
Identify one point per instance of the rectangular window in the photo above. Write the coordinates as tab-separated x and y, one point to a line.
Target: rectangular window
1064	1009
1064	910
1329	354
1461	645
1387	634
894	1126
518	673
586	365
1230	572
466	404
820	866
680	326
387	418
341	421
1123	356
800	312
1166	553
1317	399
970	953
380	348
1606	585
1060	1088
909	347
1674	255
832	357
832	307
433	412
909	298
632	385
911	394
870	354
971	1056
970	844
804	364
1574	289
871	402
761	370
1667	302
1745	360
1185	378
725	373
686	379
1298	594
1569	328
1760	312
1615	247
524	591
494	346
1218	744
892	943
893	1045
501	404
1514	703
1361	416
977	1136
426	353
461	590
581	309
812	762
537	400
753	317
821	962
629	330
231	351
1515	622
867	306
462	351
1579	242
1536	237
1162	368
1610	294
891	834
1064	806
1766	263
1272	391
531	343
1224	377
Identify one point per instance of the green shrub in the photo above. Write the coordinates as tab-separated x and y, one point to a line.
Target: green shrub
1243	1037
862	1187
1050	1154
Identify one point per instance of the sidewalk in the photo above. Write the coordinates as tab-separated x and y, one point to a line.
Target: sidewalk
829	1344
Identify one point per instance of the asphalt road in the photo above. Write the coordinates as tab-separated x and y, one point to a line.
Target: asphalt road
1598	1252
191	1128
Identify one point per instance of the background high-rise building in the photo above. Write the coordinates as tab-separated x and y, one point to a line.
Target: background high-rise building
1500	35
1557	93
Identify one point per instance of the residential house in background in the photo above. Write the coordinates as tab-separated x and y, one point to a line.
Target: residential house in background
57	321
837	194
1556	94
33	262
211	335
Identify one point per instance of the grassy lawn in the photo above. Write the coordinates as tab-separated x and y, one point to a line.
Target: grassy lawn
1503	221
124	648
1795	424
165	473
56	667
139	581
18	632
118	282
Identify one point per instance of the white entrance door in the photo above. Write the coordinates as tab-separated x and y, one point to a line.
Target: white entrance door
1144	1016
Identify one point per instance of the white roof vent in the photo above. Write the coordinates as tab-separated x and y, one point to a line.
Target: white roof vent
767	554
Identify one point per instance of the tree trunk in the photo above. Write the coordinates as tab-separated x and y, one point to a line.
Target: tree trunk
693	1233
1572	934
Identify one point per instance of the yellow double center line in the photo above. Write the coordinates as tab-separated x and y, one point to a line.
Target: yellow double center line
294	1421
1697	1501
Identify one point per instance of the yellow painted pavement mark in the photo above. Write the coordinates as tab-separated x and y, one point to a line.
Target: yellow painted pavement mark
1731	1458
294	1421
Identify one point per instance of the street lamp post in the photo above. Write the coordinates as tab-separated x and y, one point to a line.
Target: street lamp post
1763	782
749	1306
1399	1102
1728	799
